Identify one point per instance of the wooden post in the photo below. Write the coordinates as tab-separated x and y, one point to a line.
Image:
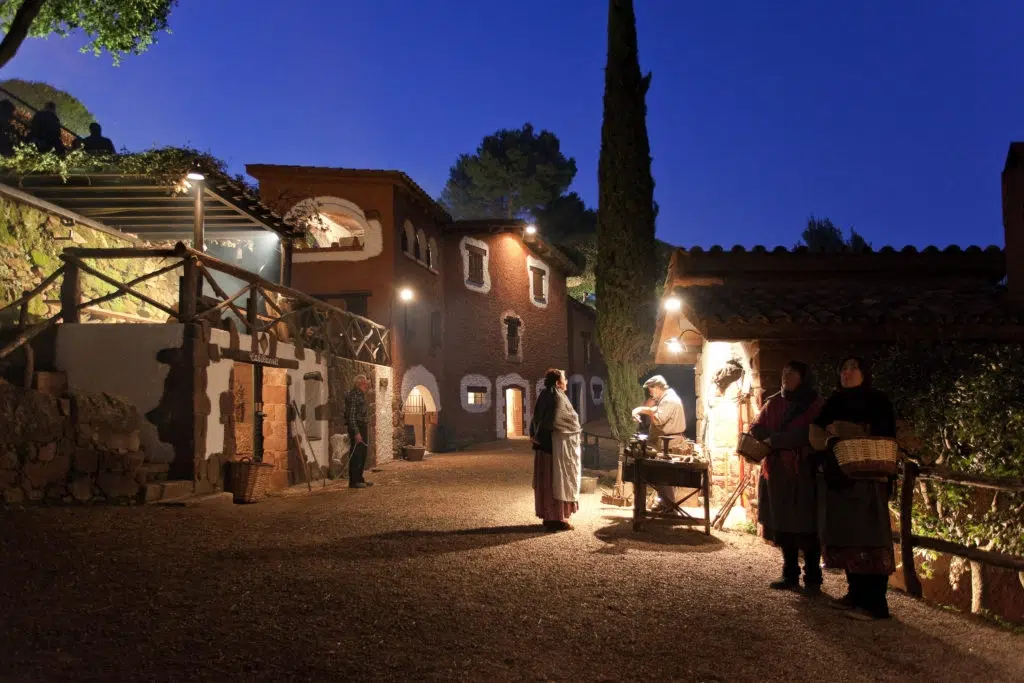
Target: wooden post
198	227
70	292
252	318
188	293
910	578
977	588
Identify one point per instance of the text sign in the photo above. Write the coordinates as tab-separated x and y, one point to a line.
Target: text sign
259	359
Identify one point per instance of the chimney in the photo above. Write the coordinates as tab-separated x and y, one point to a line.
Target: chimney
1013	220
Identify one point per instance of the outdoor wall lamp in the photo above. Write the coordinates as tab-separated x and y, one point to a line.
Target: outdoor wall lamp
675	345
531	229
195	175
673	304
406	294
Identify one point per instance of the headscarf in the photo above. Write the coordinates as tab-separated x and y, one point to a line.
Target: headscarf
801	398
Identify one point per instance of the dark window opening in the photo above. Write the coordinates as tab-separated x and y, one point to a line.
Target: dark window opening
512	329
405	241
475	396
476	265
429	257
598	390
538	285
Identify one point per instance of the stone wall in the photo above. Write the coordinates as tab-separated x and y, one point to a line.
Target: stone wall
31	242
74	447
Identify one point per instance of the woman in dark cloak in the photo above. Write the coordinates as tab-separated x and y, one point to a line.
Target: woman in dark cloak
856	531
787	491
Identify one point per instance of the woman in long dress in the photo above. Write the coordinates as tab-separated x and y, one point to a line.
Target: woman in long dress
557	466
787	503
856	531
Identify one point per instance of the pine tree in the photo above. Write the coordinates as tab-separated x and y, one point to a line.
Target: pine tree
626	265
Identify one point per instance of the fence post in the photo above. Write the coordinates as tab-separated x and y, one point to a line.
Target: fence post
70	292
252	317
188	293
910	578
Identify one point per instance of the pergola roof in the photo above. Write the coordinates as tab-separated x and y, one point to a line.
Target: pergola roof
153	209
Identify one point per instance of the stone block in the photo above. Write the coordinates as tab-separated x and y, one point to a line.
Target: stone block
52	383
9	478
47	452
274	377
13	496
39	475
87	460
275	395
113	462
117	485
81	489
9	460
104	412
214	470
56	493
28	416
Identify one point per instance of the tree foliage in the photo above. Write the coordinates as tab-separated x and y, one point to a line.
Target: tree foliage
512	174
118	27
965	403
566	216
626	262
821	235
73	114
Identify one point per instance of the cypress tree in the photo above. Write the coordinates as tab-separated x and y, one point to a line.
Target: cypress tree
626	264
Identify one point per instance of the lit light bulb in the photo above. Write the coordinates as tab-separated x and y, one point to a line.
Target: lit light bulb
531	229
195	175
674	345
405	294
673	304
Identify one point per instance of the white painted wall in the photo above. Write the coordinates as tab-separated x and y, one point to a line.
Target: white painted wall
419	376
121	360
486	287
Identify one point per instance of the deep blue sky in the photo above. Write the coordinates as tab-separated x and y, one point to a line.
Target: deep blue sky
892	117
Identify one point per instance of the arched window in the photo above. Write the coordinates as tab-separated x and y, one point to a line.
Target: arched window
408	238
405	241
432	254
421	245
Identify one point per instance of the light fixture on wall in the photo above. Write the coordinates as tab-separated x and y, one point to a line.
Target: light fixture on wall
406	294
675	345
673	304
530	229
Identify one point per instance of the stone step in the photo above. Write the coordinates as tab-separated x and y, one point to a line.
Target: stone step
167	490
152	472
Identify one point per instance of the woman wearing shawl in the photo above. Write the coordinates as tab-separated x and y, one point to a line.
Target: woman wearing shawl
786	494
856	530
557	467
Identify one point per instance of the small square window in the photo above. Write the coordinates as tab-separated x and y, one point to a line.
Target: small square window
476	396
598	390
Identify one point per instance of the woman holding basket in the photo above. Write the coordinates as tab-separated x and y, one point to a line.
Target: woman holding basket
787	490
856	531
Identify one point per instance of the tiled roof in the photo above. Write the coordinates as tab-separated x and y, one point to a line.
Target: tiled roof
831	303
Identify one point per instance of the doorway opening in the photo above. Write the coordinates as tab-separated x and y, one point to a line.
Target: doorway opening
514	427
420	416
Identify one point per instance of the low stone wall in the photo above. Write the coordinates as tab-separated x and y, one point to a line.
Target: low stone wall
77	448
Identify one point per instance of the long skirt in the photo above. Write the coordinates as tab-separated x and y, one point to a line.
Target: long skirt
546	506
856	530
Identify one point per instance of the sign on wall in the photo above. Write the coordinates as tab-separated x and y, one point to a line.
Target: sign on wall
259	359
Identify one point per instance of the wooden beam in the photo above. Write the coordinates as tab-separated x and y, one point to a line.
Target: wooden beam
944	474
69	259
56	210
988	557
138	252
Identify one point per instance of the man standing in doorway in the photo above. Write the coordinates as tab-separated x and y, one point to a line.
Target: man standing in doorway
356	419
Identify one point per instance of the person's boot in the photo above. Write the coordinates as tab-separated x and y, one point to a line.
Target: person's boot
790	580
358	485
851	600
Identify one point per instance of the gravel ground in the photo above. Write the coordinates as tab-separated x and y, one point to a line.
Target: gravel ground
439	572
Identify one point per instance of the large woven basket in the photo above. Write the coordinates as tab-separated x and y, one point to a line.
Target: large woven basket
867	457
752	449
249	480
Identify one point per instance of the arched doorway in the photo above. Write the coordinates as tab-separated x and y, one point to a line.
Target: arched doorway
419	416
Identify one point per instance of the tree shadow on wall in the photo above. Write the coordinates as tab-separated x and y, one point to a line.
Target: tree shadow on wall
659	535
393	545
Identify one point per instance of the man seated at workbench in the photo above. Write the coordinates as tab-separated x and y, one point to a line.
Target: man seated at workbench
667	419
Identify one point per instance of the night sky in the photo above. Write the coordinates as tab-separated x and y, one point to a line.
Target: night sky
891	117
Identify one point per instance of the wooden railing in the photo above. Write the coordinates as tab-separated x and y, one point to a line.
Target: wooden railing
271	312
914	471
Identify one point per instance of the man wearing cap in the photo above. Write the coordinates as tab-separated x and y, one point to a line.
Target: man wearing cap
667	419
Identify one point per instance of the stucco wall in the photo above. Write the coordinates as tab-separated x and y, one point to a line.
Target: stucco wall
121	360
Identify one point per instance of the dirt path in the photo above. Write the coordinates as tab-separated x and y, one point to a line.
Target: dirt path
439	572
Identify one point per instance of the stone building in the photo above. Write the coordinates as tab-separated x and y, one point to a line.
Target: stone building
479	309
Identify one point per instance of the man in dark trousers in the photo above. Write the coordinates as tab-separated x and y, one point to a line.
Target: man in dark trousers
356	419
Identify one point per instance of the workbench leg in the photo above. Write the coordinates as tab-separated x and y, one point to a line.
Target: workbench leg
639	500
707	502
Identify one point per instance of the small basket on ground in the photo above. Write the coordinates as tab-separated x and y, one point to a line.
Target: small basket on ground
868	457
249	480
752	449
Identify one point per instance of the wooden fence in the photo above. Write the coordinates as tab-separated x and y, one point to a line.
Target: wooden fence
272	312
914	471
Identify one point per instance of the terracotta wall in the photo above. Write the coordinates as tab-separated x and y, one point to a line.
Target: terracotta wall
475	341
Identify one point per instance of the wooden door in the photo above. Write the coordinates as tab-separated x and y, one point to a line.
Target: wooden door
517	412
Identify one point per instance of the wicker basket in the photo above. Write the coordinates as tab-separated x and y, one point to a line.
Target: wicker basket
249	479
752	449
867	457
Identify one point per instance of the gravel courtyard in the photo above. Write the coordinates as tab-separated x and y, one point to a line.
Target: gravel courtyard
438	572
